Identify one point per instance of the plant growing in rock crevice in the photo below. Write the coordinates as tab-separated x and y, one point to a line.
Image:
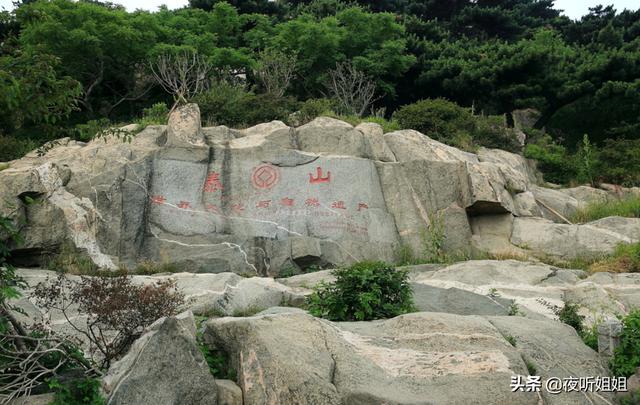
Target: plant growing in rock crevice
626	358
364	291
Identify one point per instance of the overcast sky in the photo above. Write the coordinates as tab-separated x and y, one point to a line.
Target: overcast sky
573	8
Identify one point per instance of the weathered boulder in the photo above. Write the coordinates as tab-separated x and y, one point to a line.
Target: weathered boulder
526	205
266	198
228	393
553	202
555	350
412	359
184	127
326	135
536	287
375	145
164	366
629	227
565	241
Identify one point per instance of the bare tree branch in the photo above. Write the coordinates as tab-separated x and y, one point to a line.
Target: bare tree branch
352	88
275	70
182	74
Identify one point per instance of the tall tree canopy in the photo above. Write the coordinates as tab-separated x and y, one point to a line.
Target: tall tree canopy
494	55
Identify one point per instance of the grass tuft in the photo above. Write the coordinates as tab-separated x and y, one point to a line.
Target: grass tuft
628	207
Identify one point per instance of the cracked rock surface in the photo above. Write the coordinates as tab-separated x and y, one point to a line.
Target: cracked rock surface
272	198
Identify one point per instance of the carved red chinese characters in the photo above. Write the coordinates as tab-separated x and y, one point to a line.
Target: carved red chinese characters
158	199
319	178
212	183
286	202
312	202
339	205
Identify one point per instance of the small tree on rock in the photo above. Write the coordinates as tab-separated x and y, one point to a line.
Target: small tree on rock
182	74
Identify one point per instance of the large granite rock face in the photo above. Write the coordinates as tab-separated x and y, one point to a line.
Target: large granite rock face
421	358
268	198
164	366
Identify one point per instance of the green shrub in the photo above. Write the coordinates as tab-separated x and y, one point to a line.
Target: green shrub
14	148
439	119
491	132
628	207
223	104
556	165
590	337
387	125
618	162
218	361
626	357
157	114
313	108
364	291
264	108
85	391
570	316
231	104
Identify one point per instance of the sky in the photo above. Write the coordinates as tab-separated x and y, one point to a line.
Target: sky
572	8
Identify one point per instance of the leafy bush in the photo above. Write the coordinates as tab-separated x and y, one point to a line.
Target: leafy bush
556	165
590	337
224	103
628	207
626	357
157	114
570	316
313	108
364	291
231	104
14	148
116	310
264	108
439	119
618	162
218	362
85	391
87	131
491	132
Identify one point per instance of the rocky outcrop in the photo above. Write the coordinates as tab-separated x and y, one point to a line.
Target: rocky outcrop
164	366
272	197
412	359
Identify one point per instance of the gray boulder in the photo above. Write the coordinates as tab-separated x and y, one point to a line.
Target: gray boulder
184	126
164	366
565	241
419	358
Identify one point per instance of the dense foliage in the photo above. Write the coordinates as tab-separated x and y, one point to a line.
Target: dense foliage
66	63
364	291
627	356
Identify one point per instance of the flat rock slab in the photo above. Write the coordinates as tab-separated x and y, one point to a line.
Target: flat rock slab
420	358
535	286
457	301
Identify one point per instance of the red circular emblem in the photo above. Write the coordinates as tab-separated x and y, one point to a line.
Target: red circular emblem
265	176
